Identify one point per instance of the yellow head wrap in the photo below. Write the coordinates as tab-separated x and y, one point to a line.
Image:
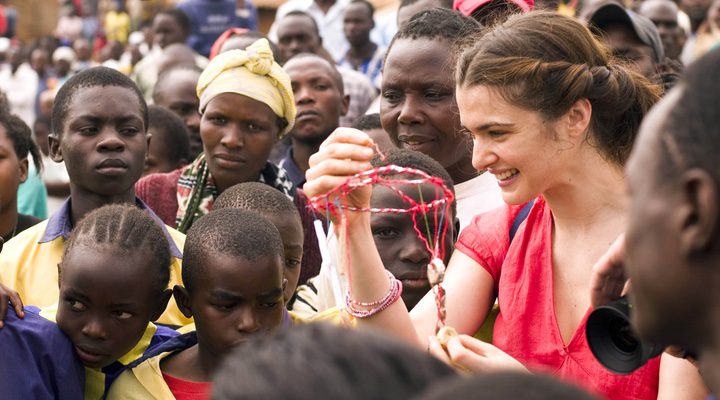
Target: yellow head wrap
252	73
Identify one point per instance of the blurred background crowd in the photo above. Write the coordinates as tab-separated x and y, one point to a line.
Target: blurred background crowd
44	42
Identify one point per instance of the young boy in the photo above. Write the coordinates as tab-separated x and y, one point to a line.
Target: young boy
99	124
233	275
39	361
275	206
113	282
403	253
170	145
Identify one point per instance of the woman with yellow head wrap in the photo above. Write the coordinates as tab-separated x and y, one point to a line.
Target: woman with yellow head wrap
247	104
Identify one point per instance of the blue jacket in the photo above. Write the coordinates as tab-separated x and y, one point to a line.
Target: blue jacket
37	360
210	18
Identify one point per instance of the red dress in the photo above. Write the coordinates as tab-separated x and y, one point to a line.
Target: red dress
526	327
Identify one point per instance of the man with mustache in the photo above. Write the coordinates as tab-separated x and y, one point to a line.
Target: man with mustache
320	102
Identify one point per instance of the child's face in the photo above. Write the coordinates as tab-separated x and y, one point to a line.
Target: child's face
236	300
12	171
291	233
402	252
106	301
158	159
104	141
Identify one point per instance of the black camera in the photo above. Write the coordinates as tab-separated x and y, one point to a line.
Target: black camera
613	341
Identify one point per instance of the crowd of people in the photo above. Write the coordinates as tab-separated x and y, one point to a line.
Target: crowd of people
347	206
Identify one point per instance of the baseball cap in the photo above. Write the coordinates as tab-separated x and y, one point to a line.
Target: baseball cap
615	13
467	7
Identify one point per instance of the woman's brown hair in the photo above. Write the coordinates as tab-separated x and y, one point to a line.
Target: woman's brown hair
546	62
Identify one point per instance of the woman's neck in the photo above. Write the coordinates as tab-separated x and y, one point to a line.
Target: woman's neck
591	192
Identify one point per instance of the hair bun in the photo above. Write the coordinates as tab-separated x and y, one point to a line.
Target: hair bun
600	73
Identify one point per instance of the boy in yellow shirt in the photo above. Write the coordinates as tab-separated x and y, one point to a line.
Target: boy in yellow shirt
99	124
233	274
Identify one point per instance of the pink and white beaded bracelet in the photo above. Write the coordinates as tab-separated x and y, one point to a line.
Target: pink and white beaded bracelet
391	297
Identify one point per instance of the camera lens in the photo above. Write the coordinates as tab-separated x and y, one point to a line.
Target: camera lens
622	336
612	340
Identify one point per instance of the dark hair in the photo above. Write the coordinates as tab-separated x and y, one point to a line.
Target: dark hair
545	62
415	159
505	385
443	3
180	17
256	196
229	231
437	23
172	132
127	229
21	137
336	75
691	130
317	361
298	13
165	75
91	77
368	122
370	7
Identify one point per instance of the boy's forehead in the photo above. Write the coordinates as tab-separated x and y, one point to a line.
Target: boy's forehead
103	102
89	95
122	274
237	274
389	196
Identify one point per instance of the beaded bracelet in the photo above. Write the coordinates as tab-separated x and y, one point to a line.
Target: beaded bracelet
390	298
391	278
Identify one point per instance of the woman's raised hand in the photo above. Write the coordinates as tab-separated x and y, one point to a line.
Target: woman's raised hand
343	154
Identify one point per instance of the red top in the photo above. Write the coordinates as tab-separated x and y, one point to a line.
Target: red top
526	327
186	390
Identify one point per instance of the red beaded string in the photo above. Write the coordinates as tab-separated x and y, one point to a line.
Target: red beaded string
387	176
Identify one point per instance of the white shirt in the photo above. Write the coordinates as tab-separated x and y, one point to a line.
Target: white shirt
330	24
476	196
21	89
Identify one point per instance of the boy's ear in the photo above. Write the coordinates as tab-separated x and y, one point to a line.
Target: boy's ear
182	299
23	170
345	104
161	305
54	147
699	213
